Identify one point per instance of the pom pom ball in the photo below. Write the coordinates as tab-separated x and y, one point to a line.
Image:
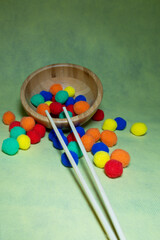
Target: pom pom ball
98	116
56	108
109	124
37	99
88	142
48	103
62	115
100	146
70	90
40	129
57	144
121	123
61	96
8	117
73	146
14	124
34	136
80	130
27	123
55	88
94	132
100	159
138	129
10	146
81	107
46	95
80	98
42	108
70	108
52	134
65	161
71	137
24	142
109	138
113	168
70	101
16	131
121	156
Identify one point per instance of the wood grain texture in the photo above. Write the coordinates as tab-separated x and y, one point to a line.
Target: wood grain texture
82	79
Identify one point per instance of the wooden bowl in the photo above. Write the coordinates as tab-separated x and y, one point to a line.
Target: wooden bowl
82	79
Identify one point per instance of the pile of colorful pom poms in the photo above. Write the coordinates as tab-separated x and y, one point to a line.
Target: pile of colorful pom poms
56	98
23	133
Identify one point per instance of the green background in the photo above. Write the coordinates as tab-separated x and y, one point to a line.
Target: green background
120	42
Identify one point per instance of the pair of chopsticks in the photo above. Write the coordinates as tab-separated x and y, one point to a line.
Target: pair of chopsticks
111	235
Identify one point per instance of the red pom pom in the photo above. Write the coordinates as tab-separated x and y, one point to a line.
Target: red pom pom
113	168
14	124
71	137
40	129
53	99
98	116
56	108
34	136
70	108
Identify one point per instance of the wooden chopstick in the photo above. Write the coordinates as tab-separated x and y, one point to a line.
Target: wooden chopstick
107	204
106	226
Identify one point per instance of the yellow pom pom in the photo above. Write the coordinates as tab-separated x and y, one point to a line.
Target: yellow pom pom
109	124
100	159
138	129
70	90
24	141
48	103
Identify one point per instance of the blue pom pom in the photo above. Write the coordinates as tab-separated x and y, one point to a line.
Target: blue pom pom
65	161
80	98
57	144
121	123
52	134
100	146
47	95
70	101
80	130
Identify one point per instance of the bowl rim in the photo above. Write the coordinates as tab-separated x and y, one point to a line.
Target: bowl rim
40	118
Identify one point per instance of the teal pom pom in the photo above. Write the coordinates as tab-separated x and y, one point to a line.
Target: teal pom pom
10	146
37	99
16	131
61	96
62	115
73	146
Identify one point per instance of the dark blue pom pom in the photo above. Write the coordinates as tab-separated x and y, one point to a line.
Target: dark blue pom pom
52	134
121	123
70	101
66	162
80	98
100	146
47	95
80	130
57	144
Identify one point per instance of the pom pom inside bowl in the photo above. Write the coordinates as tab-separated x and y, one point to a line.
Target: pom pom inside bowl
84	81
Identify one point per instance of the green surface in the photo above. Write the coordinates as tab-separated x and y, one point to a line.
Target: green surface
119	41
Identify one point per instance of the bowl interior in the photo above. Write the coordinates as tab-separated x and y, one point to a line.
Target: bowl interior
83	80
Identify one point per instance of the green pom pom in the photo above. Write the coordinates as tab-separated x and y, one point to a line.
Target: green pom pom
62	115
37	99
61	96
10	146
16	131
73	146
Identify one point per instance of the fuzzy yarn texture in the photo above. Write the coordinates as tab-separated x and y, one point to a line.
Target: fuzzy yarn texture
88	142
138	129
109	124
98	116
14	124
109	138
81	107
71	137
121	123
70	101
16	131
48	103
10	146
73	146
65	161
42	108
37	99
52	134
70	90
55	88
34	136
57	144
94	132
24	142
113	169
100	146
56	108
80	98
70	108
61	96
27	123
100	159
62	115
40	129
8	117
46	95
80	130
121	156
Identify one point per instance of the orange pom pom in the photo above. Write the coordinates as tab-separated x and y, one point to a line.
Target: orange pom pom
94	132
42	107
109	138
88	142
27	123
121	156
81	107
8	117
55	88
